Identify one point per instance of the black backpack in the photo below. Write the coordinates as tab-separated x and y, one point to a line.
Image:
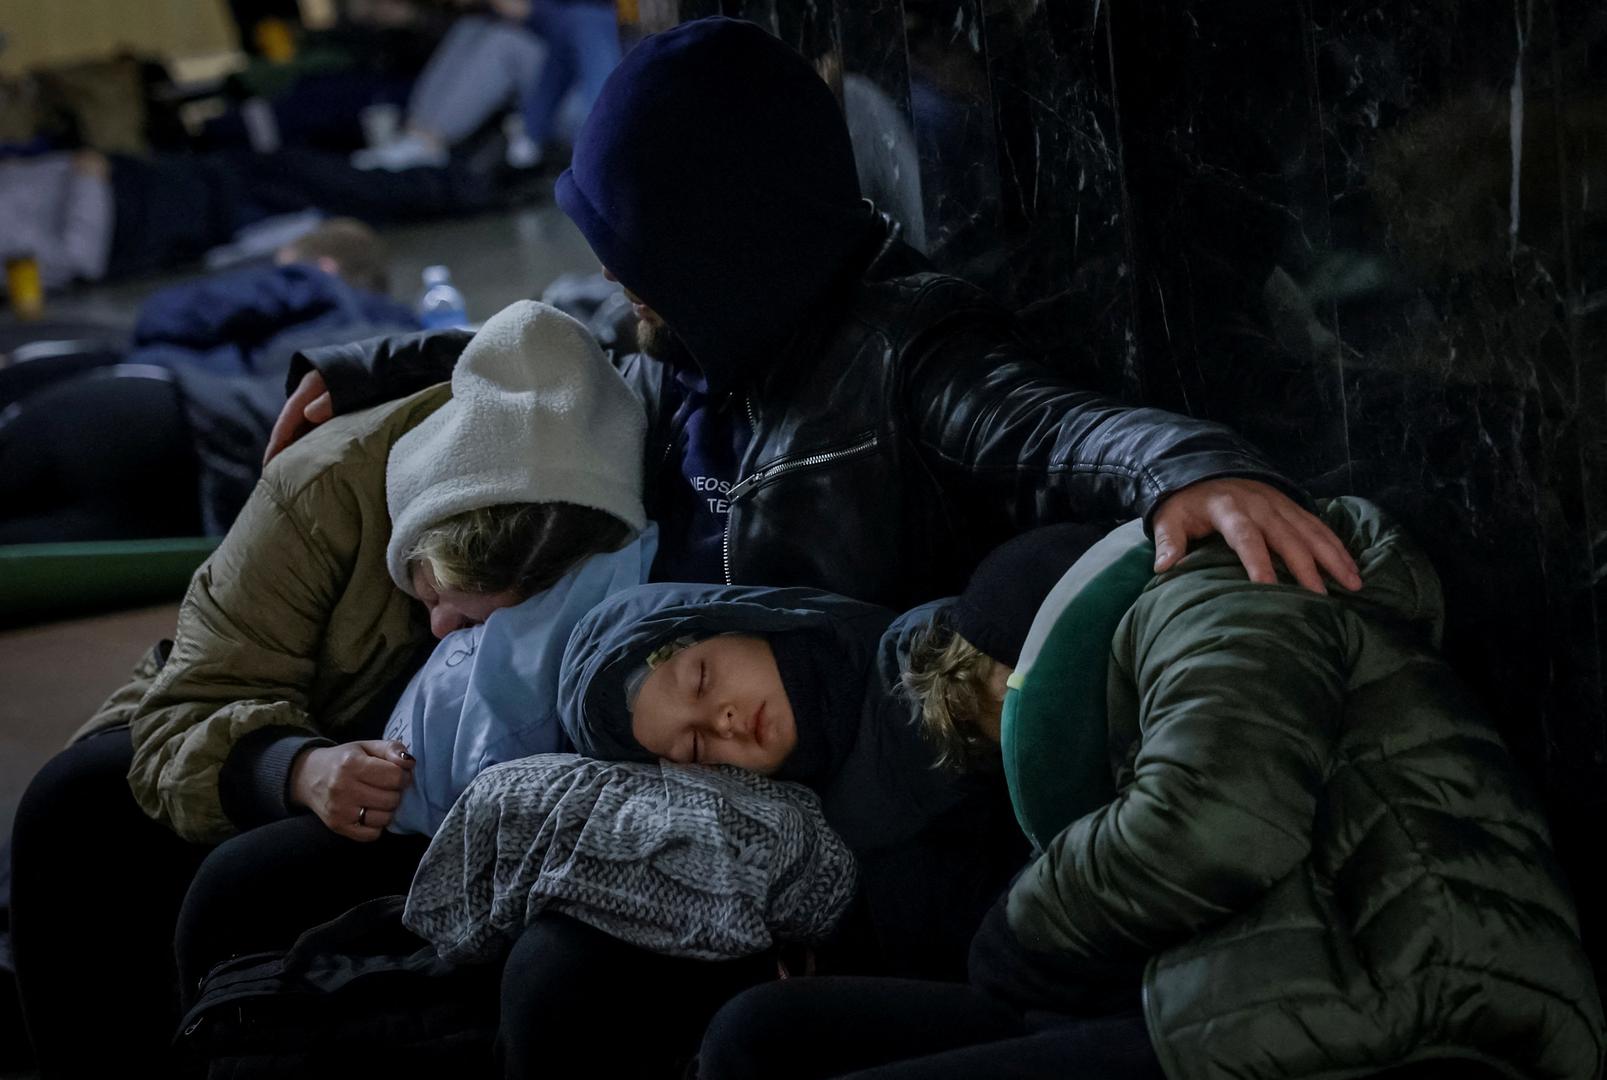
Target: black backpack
358	992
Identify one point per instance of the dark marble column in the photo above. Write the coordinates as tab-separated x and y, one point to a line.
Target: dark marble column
951	105
1063	234
1475	313
1364	235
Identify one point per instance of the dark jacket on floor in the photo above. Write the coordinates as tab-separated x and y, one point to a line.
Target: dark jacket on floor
250	321
931	855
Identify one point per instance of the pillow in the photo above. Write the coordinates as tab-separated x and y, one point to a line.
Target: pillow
1053	730
709	862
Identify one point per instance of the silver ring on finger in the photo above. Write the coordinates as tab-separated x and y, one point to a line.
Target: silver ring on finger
362	815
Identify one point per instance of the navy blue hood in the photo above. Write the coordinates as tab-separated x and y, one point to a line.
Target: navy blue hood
881	788
714	177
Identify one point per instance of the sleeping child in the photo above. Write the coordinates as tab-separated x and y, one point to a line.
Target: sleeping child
607	876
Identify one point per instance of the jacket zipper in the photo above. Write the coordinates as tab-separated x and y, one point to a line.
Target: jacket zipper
725	542
869	442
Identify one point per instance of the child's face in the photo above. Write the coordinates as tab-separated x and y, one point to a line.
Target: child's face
718	702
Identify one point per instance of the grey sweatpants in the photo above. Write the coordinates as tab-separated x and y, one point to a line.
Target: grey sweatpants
482	66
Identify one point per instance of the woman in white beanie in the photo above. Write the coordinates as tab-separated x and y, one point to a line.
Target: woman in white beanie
250	743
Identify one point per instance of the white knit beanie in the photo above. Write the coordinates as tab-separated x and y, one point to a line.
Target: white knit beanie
538	414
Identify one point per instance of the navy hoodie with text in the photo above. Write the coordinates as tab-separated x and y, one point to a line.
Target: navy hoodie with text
714	177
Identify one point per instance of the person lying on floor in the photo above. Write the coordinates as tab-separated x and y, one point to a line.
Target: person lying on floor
239	778
798	686
190	402
1278	839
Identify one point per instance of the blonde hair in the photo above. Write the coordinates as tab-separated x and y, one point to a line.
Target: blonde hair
523	547
948	678
359	254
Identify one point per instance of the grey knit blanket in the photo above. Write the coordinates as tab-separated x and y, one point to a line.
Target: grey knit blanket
688	860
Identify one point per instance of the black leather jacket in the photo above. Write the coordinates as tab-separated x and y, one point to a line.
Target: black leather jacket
894	442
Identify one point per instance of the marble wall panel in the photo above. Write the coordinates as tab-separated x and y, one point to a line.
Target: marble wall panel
762	12
1360	236
951	104
1062	243
873	79
1221	163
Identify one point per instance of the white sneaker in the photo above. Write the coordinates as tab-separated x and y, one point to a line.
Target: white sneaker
408	152
523	151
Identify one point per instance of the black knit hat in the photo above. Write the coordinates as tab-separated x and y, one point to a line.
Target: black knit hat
1008	587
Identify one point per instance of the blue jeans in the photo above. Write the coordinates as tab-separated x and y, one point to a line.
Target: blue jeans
582	49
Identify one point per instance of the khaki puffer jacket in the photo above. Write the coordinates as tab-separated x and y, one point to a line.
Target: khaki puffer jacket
1318	840
292	622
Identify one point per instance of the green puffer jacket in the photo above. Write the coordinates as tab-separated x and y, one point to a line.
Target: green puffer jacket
1318	842
293	622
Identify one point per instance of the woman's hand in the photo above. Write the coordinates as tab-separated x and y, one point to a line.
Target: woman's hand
355	787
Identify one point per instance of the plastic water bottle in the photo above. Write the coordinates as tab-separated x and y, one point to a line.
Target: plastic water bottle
441	305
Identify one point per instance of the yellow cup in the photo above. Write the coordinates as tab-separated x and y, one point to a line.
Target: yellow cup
275	40
24	286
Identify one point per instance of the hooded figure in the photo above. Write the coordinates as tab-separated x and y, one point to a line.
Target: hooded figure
931	853
732	215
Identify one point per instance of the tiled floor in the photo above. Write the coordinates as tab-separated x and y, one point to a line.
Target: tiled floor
52	676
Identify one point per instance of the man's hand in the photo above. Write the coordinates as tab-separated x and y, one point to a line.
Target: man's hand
355	787
308	407
1258	521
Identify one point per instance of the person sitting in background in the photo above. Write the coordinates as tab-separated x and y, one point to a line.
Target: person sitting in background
239	778
1278	839
549	57
482	66
583	41
178	426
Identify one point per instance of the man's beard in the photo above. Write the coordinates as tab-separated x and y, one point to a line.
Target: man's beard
653	338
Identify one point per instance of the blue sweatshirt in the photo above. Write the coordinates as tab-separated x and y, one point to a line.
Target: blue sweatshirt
715	178
489	693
